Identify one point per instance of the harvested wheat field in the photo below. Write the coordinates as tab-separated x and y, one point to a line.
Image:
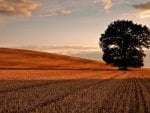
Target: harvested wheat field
38	82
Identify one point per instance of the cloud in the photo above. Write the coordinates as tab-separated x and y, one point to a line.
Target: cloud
106	3
62	49
93	55
57	12
18	7
143	10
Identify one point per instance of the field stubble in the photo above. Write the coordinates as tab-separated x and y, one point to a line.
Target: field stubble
92	91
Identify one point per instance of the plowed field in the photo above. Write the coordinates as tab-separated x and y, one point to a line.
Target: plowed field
86	91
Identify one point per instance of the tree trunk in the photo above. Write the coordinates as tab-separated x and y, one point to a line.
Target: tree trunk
125	68
125	65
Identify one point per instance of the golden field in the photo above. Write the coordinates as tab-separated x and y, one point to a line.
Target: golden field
39	82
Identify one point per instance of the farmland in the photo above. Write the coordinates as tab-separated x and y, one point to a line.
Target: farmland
73	89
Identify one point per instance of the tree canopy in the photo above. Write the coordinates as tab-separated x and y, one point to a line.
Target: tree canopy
123	44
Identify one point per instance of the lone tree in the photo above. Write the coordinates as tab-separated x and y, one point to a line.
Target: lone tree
123	43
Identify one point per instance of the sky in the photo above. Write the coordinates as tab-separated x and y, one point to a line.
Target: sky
74	25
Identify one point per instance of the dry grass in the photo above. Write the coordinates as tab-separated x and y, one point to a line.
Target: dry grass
33	60
66	90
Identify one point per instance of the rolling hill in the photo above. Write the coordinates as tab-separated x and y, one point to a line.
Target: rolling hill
28	59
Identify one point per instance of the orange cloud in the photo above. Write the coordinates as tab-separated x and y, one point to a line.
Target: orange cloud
57	12
143	10
106	3
18	7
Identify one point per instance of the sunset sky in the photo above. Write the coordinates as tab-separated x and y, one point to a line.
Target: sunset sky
42	23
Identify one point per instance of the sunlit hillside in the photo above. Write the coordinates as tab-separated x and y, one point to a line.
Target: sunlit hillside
27	59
